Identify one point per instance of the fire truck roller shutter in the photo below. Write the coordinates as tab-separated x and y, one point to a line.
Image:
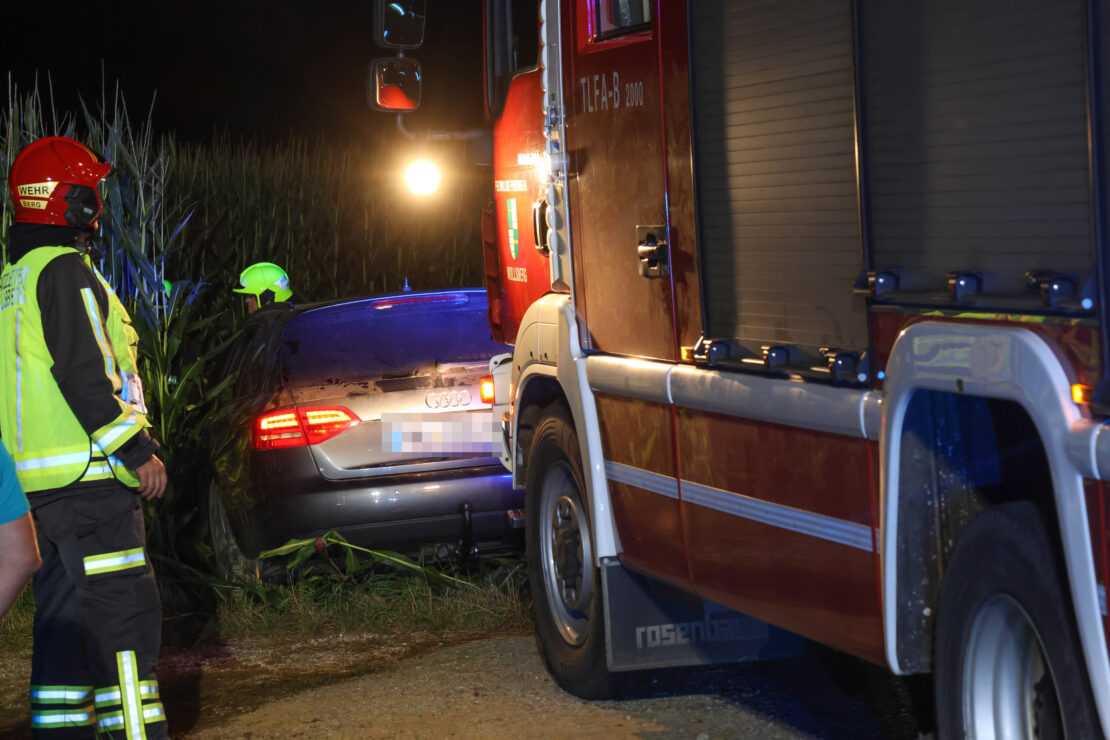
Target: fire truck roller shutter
975	140
778	210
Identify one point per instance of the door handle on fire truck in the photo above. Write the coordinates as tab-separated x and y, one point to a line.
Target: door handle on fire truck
651	249
539	226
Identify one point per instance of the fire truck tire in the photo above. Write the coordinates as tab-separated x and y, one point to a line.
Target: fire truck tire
1008	657
566	584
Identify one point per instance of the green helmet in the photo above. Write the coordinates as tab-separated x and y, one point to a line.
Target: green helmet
265	276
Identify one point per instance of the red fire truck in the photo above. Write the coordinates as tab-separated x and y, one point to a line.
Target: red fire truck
808	301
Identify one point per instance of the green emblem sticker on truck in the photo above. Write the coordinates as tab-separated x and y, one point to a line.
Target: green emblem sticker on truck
514	227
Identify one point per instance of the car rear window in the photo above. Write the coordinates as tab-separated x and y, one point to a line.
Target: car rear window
386	337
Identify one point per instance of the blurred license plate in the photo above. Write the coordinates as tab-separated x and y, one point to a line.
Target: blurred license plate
439	434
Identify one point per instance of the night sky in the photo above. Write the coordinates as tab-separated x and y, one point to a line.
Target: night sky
254	69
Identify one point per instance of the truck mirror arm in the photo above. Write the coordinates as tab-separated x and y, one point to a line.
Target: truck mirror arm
471	135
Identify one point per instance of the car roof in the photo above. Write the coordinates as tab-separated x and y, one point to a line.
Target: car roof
398	299
377	336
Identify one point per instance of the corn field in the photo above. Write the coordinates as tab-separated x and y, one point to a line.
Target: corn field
192	216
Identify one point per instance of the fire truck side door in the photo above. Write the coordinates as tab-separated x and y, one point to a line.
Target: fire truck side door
615	144
622	284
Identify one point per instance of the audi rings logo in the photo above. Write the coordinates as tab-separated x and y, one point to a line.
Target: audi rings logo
447	399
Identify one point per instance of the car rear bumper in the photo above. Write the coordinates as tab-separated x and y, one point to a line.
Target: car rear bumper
406	513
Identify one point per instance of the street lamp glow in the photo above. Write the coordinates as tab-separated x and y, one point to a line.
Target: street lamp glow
422	177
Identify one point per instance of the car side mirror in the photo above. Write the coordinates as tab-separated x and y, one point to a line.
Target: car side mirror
393	84
399	25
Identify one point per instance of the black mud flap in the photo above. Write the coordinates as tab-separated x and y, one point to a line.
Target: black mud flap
650	625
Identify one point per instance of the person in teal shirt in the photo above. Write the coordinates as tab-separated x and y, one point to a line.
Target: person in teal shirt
19	551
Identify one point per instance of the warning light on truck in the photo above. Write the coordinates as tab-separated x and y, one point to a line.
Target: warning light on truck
1082	393
422	177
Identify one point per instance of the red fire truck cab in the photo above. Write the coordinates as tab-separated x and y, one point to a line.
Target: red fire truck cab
808	301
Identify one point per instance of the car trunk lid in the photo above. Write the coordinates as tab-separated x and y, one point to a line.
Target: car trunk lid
409	367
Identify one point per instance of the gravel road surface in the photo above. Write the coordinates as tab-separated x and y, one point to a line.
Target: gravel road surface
499	688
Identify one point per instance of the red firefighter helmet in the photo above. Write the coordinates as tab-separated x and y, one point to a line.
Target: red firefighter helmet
53	181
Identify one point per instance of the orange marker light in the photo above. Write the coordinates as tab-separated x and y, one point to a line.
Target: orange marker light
1082	393
487	389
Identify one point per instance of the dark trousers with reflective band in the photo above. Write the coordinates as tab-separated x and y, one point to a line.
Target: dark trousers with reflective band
97	618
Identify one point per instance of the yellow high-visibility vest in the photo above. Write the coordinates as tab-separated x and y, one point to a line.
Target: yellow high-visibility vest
50	447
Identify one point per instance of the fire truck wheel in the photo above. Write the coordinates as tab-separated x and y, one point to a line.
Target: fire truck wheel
565	582
1008	657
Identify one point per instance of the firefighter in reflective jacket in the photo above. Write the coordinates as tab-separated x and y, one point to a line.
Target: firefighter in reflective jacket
73	418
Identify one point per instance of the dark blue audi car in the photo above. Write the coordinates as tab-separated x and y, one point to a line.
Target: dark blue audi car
365	416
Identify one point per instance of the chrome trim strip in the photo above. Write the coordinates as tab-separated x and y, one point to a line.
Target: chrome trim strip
813	406
623	376
809	523
1100	451
1102	599
664	485
1081	445
871	414
555	144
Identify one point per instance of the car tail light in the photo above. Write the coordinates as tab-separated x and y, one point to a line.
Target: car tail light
277	429
324	423
300	427
486	388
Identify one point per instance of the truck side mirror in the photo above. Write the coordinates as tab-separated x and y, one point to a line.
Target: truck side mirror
399	25
393	84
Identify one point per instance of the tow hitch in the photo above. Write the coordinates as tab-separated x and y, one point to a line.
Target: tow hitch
466	549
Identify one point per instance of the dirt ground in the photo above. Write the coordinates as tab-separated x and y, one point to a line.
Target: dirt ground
210	683
426	685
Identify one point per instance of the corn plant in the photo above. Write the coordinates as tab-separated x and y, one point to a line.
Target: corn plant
332	214
317	560
27	118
